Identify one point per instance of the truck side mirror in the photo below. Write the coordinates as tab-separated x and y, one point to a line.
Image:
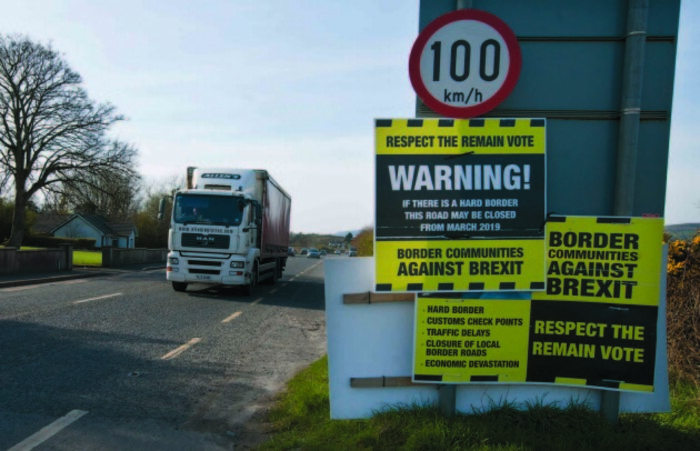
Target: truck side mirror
161	209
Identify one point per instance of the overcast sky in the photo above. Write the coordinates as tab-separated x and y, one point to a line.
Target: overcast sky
288	86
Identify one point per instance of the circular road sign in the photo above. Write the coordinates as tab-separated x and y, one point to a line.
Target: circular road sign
464	63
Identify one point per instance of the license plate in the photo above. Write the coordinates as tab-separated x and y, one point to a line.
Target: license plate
201	277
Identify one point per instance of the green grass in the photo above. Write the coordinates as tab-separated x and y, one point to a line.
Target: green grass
301	420
80	258
87	258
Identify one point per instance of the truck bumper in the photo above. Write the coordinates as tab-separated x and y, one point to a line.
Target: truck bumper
208	278
183	271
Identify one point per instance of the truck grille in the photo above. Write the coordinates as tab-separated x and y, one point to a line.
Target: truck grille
204	271
206	241
203	263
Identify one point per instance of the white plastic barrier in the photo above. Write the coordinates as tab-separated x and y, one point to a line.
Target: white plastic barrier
376	340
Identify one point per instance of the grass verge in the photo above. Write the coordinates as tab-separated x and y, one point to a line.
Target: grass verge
301	420
80	258
87	258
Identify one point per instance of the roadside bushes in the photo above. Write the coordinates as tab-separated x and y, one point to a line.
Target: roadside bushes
683	310
87	244
364	242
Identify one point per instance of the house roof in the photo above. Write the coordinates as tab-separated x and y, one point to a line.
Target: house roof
46	222
123	228
99	222
107	228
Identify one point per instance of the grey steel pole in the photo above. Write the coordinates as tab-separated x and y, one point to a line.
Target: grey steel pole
628	141
447	398
630	107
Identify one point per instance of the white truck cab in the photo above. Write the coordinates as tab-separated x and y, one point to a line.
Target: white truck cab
224	229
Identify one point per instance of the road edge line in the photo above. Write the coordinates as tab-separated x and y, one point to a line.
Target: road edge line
48	431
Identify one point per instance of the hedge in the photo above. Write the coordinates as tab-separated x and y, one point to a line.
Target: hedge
87	244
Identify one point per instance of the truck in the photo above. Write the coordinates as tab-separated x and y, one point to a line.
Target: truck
228	227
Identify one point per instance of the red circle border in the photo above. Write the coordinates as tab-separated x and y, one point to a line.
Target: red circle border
500	95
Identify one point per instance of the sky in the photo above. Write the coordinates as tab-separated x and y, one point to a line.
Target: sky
288	86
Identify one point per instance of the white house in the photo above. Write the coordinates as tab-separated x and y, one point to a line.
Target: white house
105	233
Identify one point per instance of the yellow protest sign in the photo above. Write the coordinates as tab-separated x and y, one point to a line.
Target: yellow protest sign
474	340
609	260
465	265
476	186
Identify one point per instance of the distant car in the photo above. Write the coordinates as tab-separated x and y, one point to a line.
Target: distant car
323	253
352	254
304	251
313	253
337	252
290	252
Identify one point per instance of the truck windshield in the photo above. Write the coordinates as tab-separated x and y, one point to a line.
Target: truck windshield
204	209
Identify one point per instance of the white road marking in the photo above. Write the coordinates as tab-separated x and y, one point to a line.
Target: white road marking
98	298
272	291
70	282
31	287
49	431
232	317
284	285
27	287
256	301
176	352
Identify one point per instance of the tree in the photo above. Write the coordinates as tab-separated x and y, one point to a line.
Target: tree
52	136
348	239
113	196
364	242
5	221
153	233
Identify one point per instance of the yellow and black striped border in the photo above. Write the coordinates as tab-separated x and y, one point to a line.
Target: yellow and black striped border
615	385
483	136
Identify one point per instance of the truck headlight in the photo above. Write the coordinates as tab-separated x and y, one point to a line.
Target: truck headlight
174	261
237	264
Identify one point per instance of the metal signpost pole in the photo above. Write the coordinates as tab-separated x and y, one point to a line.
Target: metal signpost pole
630	106
628	142
447	399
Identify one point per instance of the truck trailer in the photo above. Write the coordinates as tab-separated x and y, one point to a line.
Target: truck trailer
228	227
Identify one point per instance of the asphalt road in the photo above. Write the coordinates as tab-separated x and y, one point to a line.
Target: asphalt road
124	362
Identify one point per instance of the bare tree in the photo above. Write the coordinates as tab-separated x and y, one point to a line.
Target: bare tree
51	134
114	196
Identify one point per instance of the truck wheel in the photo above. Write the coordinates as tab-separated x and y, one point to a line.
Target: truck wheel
273	275
179	286
250	288
280	267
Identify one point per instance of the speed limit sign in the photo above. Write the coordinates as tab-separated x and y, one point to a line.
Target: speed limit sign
464	63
